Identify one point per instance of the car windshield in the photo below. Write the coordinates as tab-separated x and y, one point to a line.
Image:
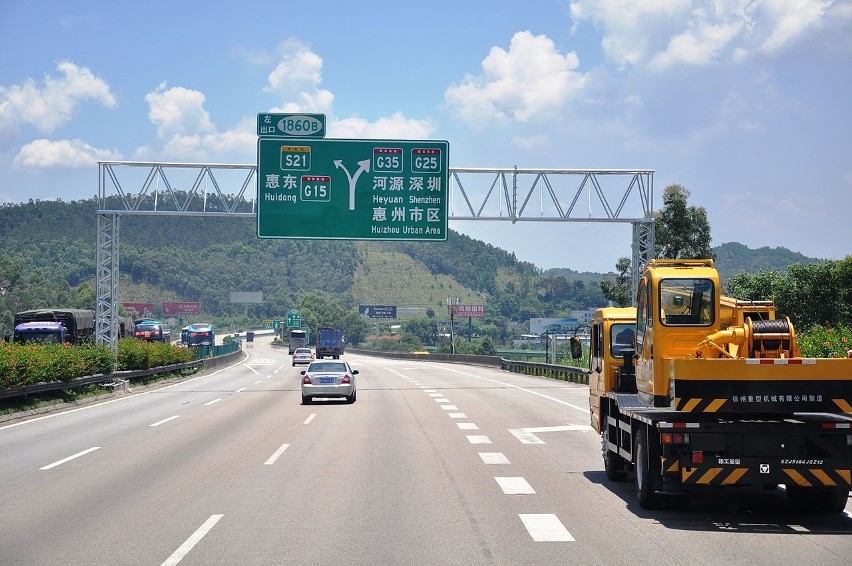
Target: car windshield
334	367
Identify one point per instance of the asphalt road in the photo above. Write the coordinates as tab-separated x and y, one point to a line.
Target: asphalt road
434	464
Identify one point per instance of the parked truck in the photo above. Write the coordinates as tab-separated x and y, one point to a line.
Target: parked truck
694	391
330	342
59	325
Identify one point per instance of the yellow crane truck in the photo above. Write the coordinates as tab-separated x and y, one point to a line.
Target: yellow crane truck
692	390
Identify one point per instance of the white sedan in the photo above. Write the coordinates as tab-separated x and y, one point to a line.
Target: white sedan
328	378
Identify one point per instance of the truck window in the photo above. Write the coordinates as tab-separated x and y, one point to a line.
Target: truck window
687	302
621	338
643	314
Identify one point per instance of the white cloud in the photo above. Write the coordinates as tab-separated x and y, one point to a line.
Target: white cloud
72	154
665	33
178	112
51	105
296	79
396	126
529	81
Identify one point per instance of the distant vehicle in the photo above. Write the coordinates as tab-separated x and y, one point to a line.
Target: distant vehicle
298	339
302	356
330	342
152	331
328	379
60	326
200	334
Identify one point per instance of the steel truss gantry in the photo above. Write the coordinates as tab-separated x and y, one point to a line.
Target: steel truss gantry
484	194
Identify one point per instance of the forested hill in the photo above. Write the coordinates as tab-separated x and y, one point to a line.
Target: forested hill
48	256
48	249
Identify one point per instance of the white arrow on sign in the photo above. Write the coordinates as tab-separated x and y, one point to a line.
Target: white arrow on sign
363	166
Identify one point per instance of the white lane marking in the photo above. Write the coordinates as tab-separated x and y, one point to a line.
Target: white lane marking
123	398
478	439
69	458
252	369
442	400
258	381
158	423
428	390
457	415
518	387
276	455
240	390
546	527
212	402
467	426
436	395
309	419
527	435
269	376
515	486
494	458
190	543
449	407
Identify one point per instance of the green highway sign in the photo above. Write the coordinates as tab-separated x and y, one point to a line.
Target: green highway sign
294	319
352	189
291	125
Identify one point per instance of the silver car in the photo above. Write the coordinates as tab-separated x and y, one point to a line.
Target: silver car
328	378
302	356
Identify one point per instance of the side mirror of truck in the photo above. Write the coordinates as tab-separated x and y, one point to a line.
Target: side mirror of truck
576	348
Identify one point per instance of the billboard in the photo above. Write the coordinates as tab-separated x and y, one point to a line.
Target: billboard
377	311
469	310
246	297
141	310
181	308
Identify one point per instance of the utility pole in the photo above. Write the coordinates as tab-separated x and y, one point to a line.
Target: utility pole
452	324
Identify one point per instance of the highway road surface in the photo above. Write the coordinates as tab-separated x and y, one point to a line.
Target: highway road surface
434	463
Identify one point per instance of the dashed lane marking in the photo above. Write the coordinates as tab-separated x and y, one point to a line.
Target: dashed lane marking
545	527
515	486
494	458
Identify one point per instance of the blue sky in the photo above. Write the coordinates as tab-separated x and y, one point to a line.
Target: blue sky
745	103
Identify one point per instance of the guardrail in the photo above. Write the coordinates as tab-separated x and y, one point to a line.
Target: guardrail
552	371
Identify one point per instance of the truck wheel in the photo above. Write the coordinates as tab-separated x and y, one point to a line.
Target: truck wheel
613	463
641	454
833	500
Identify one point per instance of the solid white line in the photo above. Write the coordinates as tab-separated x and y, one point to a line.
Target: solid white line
276	455
467	426
309	419
212	402
478	439
515	486
69	458
194	539
158	423
503	383
252	369
546	528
